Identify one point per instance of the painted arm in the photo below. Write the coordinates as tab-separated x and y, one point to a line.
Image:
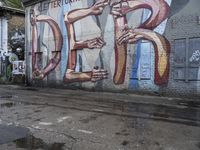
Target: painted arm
71	17
79	14
120	49
58	40
120	52
80	45
34	43
159	10
161	46
94	75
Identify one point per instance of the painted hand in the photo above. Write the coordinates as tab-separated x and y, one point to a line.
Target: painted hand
98	7
98	74
37	74
129	36
95	43
119	8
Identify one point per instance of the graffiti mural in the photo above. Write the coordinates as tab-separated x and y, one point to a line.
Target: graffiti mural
56	52
67	37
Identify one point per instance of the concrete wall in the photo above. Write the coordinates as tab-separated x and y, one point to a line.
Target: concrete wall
3	35
149	46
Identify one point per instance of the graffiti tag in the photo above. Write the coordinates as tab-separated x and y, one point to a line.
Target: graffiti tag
195	56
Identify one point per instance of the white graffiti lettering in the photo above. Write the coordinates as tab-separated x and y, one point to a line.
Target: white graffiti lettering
195	56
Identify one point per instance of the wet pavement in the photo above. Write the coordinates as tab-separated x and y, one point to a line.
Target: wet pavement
60	119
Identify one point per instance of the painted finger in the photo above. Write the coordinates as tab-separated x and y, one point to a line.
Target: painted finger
98	5
100	40
91	46
113	3
116	13
93	42
94	79
99	73
132	41
99	46
101	1
139	36
100	43
101	8
125	27
123	38
101	70
120	38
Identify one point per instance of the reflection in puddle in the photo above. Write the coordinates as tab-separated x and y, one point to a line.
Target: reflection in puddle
23	138
30	142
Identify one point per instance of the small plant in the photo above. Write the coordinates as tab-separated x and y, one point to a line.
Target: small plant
13	3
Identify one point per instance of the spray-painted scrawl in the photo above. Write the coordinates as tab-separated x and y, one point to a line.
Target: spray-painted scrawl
123	36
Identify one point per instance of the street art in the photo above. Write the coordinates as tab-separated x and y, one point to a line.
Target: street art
36	71
124	35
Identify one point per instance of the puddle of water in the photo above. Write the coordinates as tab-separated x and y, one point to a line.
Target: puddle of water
7	105
9	133
31	142
22	138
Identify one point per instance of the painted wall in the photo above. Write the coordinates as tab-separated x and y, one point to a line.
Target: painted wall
136	45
